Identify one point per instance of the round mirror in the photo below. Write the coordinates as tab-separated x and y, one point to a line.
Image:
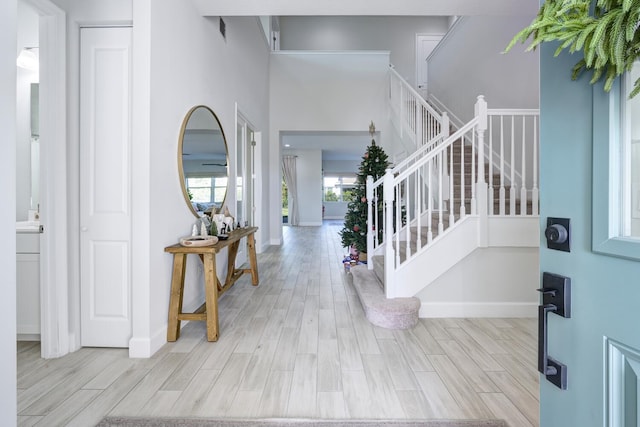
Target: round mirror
202	161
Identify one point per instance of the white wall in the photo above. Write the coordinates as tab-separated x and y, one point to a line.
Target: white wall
8	370
393	33
490	282
189	65
469	62
323	92
27	36
173	71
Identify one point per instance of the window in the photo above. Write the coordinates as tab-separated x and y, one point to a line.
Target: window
207	189
616	168
630	157
338	188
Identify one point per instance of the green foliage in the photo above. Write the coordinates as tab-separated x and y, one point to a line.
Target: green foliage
605	30
375	163
285	195
331	196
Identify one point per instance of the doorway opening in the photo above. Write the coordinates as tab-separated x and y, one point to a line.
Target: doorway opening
285	203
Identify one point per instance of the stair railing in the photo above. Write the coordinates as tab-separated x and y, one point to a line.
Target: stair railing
416	118
421	199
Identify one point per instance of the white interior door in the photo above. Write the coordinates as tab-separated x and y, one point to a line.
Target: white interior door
425	43
105	186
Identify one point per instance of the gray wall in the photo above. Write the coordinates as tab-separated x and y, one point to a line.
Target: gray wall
390	33
469	62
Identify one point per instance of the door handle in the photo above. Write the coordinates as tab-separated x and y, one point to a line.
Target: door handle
556	298
543	358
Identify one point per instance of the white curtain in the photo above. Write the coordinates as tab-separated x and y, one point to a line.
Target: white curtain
289	171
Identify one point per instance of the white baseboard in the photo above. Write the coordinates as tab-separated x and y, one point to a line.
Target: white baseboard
474	309
145	347
27	337
276	242
310	224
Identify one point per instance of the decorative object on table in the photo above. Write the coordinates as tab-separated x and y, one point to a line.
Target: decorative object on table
197	241
228	222
203	229
213	229
606	31
375	163
224	232
218	219
194	230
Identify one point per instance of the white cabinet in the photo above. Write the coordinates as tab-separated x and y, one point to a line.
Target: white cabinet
28	286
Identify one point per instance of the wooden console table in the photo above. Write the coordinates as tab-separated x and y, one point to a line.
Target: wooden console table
212	287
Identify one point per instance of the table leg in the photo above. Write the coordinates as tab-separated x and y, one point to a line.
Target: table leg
211	296
253	261
175	300
231	261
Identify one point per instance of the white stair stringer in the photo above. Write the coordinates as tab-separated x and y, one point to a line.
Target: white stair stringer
436	258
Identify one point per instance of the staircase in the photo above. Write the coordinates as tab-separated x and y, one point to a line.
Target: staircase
475	188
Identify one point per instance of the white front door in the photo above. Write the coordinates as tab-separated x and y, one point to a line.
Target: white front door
425	43
105	186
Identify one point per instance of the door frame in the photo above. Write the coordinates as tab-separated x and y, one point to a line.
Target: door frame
439	37
56	337
241	117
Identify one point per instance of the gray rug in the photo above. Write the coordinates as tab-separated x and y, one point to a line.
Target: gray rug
290	422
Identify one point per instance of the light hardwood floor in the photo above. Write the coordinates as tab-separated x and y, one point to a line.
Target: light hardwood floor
298	345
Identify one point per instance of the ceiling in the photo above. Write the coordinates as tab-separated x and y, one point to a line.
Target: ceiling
365	8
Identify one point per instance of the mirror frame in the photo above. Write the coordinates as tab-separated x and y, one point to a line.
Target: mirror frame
183	184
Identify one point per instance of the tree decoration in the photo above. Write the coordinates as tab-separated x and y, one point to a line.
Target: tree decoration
605	30
354	232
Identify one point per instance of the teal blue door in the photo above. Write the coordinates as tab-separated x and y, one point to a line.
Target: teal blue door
600	343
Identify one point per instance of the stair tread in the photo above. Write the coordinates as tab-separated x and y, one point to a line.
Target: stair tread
390	313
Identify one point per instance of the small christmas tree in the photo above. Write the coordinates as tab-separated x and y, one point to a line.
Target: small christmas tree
375	163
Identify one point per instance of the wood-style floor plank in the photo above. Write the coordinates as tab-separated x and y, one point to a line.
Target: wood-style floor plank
297	345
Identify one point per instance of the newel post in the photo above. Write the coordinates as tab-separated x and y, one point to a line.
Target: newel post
481	183
371	226
389	253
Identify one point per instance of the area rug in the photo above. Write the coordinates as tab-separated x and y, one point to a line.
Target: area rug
288	422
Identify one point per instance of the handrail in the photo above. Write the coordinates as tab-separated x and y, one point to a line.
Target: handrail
413	91
416	118
433	153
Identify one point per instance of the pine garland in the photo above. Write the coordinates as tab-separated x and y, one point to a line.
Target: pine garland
607	33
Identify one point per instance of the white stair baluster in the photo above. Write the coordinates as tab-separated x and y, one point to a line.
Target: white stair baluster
502	194
491	201
534	190
523	189
512	188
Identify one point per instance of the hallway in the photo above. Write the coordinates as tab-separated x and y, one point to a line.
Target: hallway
298	345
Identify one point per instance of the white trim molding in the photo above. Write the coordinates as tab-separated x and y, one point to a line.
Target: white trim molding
478	309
